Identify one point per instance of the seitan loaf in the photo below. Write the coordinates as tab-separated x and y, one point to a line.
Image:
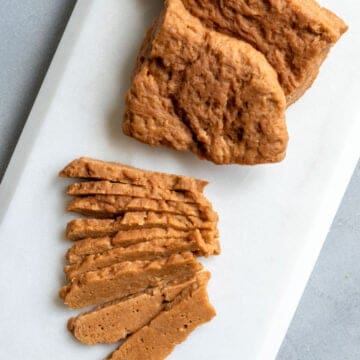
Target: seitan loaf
197	90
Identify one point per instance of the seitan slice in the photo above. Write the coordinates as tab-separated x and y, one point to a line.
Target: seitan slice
294	35
87	168
170	328
129	237
115	321
113	205
127	278
104	187
112	322
197	90
91	246
149	250
83	228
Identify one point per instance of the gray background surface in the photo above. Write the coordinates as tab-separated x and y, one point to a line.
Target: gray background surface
327	323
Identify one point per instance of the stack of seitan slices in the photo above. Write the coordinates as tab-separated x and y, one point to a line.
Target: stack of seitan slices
215	77
135	259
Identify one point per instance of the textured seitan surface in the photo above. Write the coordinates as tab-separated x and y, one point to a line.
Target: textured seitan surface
112	322
170	328
87	168
294	35
83	228
104	187
127	278
197	90
149	250
113	205
127	238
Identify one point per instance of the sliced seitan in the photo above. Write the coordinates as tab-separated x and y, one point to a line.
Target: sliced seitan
83	228
171	327
149	250
127	278
198	90
91	246
294	35
129	237
114	321
104	187
113	205
87	168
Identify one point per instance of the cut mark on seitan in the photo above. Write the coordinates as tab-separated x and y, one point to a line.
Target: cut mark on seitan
107	206
127	238
171	327
149	250
114	321
127	278
104	187
83	228
87	168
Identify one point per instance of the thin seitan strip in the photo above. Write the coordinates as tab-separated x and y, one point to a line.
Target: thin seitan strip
149	250
125	238
170	328
113	205
105	187
83	228
112	322
127	278
294	35
87	168
91	246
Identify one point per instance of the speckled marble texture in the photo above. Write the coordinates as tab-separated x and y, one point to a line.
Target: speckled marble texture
326	324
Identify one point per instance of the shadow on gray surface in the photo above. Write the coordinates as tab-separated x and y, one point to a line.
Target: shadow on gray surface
14	172
21	81
326	323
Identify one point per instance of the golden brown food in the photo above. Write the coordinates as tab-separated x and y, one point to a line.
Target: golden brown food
112	205
127	278
170	328
114	321
197	90
105	187
149	250
91	246
86	168
294	35
83	228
